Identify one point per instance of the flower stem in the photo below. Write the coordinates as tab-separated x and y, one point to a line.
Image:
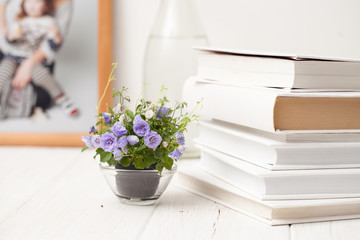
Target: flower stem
141	93
111	78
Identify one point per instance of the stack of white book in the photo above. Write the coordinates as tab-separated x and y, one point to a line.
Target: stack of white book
279	136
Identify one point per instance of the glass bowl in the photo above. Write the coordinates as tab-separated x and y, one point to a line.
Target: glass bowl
137	187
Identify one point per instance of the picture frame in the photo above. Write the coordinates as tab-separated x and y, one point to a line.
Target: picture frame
104	66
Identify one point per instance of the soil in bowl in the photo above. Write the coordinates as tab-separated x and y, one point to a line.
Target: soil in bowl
137	183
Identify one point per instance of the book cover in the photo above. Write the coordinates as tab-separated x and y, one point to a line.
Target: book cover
280	185
278	70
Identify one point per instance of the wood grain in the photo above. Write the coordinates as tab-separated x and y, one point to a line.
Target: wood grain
19	182
345	230
59	193
70	201
193	217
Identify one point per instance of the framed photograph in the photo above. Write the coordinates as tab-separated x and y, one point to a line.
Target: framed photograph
82	69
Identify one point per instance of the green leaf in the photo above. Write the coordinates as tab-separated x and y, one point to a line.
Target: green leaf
159	167
99	151
111	111
140	148
130	114
115	93
157	154
84	148
149	160
105	156
112	161
138	163
168	162
125	161
163	153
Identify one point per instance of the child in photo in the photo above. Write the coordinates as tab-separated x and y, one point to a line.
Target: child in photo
33	26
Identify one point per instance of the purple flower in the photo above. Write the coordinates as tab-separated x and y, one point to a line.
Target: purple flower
176	154
92	130
117	154
141	127
180	139
163	112
181	148
122	142
152	140
124	150
108	142
95	140
116	109
132	139
118	129
87	141
107	117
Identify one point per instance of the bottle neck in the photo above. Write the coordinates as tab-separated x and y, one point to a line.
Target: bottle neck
177	18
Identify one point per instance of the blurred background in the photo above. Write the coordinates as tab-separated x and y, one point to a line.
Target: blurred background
322	27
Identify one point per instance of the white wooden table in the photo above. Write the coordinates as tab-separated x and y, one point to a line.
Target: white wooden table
59	193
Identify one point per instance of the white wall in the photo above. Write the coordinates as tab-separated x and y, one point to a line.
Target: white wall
309	27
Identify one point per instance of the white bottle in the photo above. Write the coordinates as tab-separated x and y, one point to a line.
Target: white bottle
170	58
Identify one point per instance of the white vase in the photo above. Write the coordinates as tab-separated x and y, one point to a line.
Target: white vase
170	58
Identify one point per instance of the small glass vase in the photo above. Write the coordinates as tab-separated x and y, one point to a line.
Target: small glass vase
137	187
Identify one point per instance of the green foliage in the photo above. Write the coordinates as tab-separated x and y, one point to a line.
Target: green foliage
168	162
166	124
84	148
125	161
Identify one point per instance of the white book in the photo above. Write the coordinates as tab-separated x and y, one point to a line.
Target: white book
291	136
192	178
256	148
280	185
278	70
275	110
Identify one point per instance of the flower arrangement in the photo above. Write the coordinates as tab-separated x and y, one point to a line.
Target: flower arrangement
150	137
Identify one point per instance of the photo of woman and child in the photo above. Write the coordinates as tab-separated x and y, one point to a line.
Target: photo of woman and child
33	33
33	29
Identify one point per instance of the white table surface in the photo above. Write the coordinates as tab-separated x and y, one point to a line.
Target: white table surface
59	193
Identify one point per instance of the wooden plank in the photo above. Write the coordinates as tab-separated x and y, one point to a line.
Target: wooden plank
24	171
76	204
345	229
182	215
234	225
